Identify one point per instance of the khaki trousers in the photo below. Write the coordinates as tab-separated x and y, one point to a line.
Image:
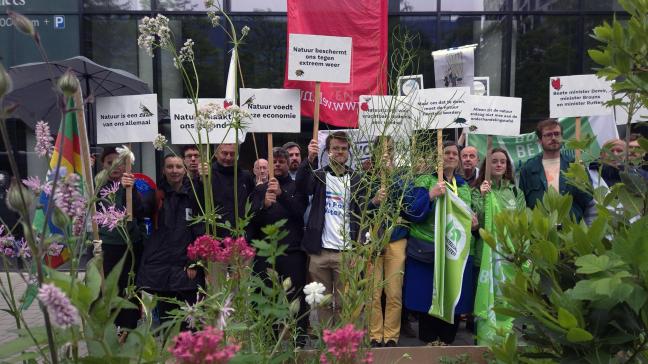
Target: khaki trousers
388	276
325	268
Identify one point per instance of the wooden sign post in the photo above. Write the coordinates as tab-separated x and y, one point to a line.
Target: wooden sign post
440	154
129	190
316	110
489	152
270	157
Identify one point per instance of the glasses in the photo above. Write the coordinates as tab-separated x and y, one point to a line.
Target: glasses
555	134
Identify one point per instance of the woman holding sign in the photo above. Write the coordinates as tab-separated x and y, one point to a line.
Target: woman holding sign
489	198
420	210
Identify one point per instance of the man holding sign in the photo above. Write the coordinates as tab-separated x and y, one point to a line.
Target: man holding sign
545	170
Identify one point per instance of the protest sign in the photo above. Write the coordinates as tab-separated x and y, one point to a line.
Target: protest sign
581	95
183	125
494	115
272	110
481	86
409	84
386	115
126	119
454	67
319	58
441	108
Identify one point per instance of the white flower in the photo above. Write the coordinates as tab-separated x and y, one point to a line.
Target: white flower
245	30
124	152
206	114
314	293
215	19
150	28
160	142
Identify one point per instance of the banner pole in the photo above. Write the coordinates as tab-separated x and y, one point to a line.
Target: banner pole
129	190
578	134
270	157
316	111
440	154
85	157
487	165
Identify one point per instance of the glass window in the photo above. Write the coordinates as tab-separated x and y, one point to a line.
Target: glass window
473	5
100	5
542	46
489	33
545	5
424	27
418	5
111	41
27	6
263	55
181	5
602	5
59	35
258	5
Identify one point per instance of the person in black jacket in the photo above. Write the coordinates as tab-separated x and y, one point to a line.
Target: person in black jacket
332	223
165	269
223	187
273	201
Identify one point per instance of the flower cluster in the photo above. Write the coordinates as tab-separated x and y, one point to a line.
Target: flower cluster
69	199
44	139
35	185
58	305
154	28
223	251
213	18
109	190
314	292
186	54
226	311
245	30
109	217
54	249
206	115
12	247
204	346
343	344
160	142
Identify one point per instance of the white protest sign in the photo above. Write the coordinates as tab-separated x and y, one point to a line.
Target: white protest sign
126	119
272	110
621	115
494	115
439	108
386	115
454	67
319	58
183	125
581	95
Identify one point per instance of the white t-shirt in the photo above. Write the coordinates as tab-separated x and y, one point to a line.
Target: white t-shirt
552	172
337	216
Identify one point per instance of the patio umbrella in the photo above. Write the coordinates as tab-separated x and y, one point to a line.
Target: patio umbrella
37	100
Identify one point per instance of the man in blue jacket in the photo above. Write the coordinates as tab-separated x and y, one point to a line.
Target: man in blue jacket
545	170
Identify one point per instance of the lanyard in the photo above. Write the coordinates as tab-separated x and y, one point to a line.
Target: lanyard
453	187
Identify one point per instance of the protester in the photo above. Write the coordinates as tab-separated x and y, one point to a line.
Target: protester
260	171
386	190
191	157
488	199
115	245
469	162
333	220
605	171
637	157
419	263
166	270
223	187
274	201
545	170
294	158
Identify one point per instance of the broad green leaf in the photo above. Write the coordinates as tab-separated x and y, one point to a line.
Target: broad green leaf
599	57
590	264
566	319
93	278
578	335
637	299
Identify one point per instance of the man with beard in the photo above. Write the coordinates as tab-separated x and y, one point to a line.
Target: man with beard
294	158
545	170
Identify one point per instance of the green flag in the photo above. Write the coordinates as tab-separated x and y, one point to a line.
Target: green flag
494	270
452	223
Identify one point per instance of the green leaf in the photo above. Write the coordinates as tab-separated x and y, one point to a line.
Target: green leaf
15	346
566	319
590	264
637	299
599	57
93	278
578	335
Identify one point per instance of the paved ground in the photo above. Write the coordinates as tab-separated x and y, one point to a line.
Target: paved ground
33	316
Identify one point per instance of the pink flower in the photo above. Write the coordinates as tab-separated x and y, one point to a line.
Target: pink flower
24	251
109	190
110	217
204	346
44	139
343	344
54	249
70	200
202	248
224	251
58	305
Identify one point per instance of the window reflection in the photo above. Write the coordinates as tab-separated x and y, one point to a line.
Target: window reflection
545	5
181	5
425	28
418	5
263	55
258	5
112	42
473	5
117	4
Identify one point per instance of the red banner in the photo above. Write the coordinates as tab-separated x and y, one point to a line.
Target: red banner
366	22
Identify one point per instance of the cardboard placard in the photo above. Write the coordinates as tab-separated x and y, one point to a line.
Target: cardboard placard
319	58
441	108
126	119
183	125
494	115
580	95
386	115
454	67
272	110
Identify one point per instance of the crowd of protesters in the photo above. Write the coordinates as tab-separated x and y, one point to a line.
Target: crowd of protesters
321	206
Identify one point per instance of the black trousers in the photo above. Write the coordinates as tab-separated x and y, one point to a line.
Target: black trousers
433	329
126	318
294	265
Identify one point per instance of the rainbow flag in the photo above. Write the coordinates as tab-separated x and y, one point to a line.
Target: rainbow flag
70	156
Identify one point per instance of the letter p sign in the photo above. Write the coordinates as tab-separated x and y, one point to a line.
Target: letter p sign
59	22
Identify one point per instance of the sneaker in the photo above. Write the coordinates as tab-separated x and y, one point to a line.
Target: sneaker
376	344
391	344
